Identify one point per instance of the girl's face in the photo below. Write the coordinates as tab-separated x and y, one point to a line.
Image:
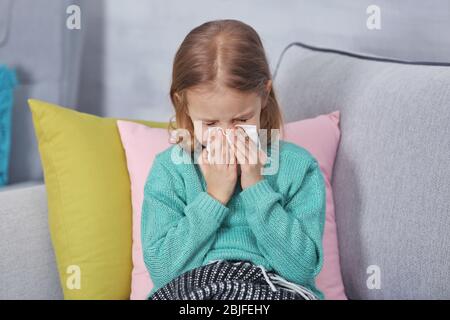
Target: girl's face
222	107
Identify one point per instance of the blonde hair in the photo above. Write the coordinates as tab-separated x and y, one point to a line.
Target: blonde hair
238	49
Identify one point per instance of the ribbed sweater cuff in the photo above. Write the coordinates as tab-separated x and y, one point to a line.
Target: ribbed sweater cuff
207	206
256	193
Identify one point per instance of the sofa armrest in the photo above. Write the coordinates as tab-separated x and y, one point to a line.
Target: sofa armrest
27	265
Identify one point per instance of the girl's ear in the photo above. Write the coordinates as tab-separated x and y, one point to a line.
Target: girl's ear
267	90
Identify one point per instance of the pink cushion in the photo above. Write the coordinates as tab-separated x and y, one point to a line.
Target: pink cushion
320	136
141	144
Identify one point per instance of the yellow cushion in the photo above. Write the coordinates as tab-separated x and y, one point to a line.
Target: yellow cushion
88	190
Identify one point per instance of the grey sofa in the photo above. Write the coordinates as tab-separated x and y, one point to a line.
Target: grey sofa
27	264
391	178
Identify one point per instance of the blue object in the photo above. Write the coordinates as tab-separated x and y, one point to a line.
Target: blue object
8	81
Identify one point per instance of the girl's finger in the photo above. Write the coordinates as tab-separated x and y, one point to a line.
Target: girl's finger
224	158
241	157
205	156
240	152
262	157
214	142
202	158
251	149
252	152
242	145
232	154
217	148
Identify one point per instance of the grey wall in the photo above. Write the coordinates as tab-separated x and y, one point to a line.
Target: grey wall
45	54
130	44
128	47
412	30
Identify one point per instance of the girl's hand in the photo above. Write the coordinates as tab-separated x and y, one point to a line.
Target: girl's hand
249	157
221	174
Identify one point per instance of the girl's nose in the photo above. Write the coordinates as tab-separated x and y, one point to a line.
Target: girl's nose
228	130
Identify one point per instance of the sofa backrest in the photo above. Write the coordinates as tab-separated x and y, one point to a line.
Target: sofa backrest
391	178
27	264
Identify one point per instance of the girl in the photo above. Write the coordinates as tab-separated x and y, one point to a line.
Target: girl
220	229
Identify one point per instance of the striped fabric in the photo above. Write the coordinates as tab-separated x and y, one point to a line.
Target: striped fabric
231	280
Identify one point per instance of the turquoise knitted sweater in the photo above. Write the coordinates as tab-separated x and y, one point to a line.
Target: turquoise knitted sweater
277	223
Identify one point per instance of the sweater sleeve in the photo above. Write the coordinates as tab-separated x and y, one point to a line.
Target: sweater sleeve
289	234
175	236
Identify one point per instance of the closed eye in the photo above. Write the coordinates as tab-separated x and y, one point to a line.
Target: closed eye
215	122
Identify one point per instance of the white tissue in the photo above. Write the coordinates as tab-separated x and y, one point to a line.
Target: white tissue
250	129
208	140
